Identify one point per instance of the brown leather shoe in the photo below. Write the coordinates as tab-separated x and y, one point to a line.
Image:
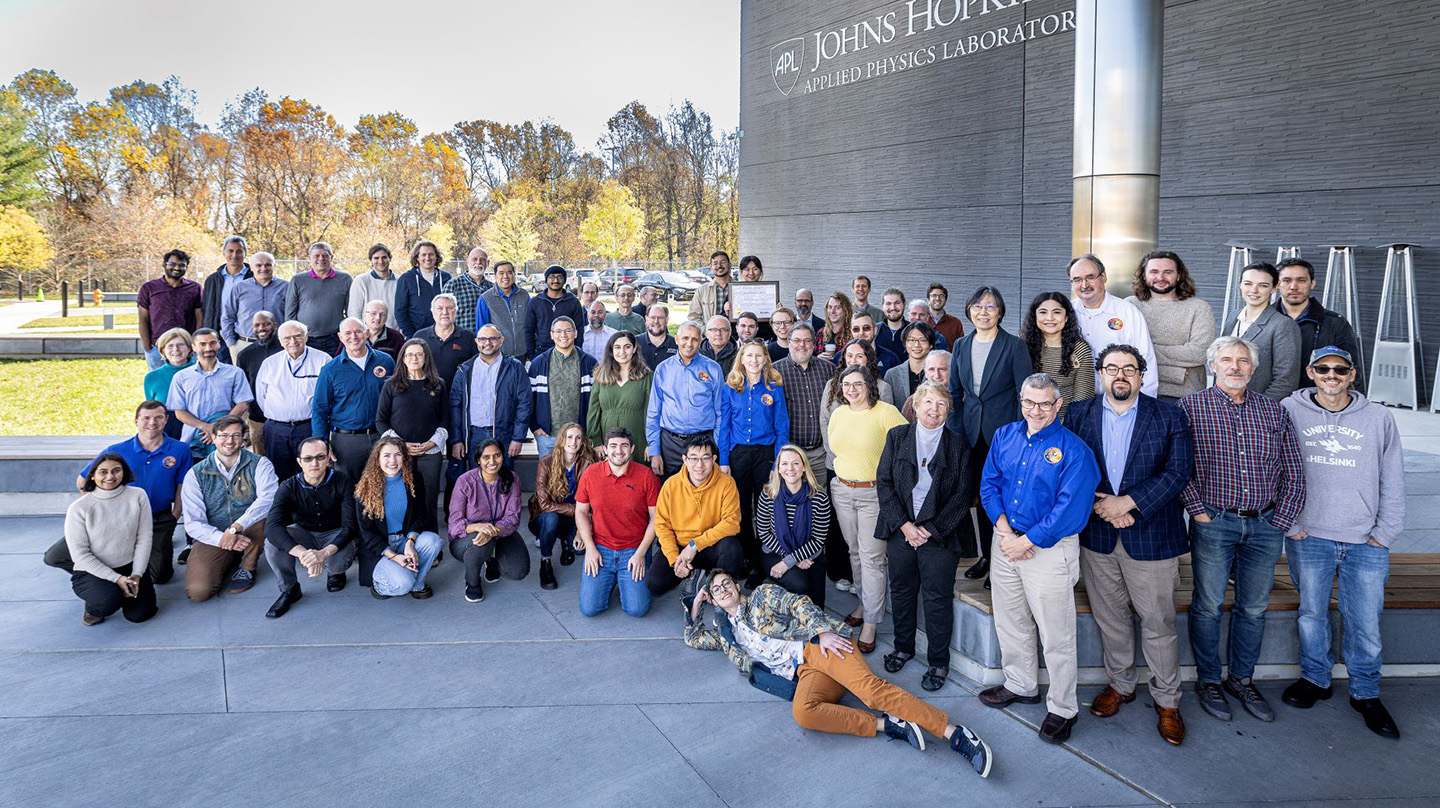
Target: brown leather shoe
1108	702
1171	726
862	646
90	619
1000	696
853	621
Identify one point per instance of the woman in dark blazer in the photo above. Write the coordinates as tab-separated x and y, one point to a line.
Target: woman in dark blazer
926	485
986	403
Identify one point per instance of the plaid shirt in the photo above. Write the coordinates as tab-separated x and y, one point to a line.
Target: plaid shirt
1246	456
466	293
803	390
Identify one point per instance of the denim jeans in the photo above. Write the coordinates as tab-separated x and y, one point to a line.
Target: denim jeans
544	445
1253	547
614	571
550	526
1363	571
390	578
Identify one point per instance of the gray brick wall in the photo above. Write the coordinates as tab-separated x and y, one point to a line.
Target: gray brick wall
1292	121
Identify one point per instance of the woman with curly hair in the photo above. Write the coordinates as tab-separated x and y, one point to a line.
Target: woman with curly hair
552	506
830	342
1056	347
395	525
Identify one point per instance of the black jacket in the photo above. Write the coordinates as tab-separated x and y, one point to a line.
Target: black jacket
373	536
946	510
319	509
249	360
212	298
1320	327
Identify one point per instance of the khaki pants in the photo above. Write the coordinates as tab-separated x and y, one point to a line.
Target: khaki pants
857	510
1115	582
821	681
208	566
257	436
817	465
1035	599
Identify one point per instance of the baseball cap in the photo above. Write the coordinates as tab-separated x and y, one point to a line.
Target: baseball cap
1330	350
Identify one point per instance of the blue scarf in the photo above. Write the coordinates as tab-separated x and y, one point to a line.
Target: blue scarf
791	537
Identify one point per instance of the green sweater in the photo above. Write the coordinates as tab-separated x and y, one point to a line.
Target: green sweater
617	405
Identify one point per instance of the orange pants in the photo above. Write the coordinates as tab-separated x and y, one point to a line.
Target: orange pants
822	681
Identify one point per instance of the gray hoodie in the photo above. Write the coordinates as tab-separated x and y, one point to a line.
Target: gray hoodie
1354	470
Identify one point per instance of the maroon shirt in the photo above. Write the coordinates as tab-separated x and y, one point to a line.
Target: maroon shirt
170	306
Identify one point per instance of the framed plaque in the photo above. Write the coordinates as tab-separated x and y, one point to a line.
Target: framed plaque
760	297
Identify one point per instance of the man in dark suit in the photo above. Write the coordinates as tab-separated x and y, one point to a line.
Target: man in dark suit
218	284
1130	549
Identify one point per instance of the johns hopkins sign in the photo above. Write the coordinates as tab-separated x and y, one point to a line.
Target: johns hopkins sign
913	35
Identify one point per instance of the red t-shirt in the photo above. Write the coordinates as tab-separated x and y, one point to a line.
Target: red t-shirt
619	506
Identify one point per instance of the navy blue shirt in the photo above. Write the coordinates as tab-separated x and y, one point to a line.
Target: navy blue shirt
347	397
1044	483
159	472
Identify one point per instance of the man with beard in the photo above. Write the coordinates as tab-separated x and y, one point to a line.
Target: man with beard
804	306
1246	491
714	297
1106	320
262	291
261	346
1181	324
1130	549
891	322
658	345
205	391
169	301
1319	326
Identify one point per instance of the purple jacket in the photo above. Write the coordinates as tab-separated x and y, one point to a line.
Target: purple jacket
474	501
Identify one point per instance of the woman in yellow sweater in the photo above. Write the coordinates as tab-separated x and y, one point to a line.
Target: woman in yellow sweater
856	435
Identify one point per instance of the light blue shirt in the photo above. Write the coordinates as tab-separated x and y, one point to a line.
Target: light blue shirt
684	399
484	378
207	396
1116	433
245	297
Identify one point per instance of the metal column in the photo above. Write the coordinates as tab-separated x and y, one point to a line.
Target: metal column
1340	286
1117	132
1241	256
1395	375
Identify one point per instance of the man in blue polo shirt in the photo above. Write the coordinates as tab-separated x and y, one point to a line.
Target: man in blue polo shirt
1038	485
347	396
159	464
684	401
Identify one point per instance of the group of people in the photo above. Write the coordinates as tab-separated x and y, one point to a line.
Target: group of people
727	464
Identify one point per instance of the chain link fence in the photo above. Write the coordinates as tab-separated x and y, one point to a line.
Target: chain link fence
127	274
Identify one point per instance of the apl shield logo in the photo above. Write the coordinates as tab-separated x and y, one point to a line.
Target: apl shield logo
785	60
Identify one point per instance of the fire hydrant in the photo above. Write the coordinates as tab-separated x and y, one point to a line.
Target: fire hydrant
98	296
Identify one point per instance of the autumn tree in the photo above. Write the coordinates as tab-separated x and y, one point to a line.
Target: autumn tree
49	100
510	233
615	226
23	244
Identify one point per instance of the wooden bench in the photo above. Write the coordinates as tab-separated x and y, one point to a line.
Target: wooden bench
1414	584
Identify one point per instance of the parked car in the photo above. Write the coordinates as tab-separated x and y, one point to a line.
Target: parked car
671	285
615	277
532	283
697	275
580	276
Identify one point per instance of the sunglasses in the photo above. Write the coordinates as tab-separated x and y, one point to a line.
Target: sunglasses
1331	370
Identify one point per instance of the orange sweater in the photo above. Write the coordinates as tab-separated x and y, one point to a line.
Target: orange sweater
704	514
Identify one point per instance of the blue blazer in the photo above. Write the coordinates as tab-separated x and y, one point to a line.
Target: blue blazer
979	412
1161	458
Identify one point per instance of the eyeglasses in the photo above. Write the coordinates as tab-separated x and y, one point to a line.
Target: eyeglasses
1331	370
917	341
228	436
721	585
988	308
312	458
1079	279
177	266
852	385
488	339
700	458
1129	371
1043	406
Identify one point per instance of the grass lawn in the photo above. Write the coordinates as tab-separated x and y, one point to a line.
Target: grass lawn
70	396
122	320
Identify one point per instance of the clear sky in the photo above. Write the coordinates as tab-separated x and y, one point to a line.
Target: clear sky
437	61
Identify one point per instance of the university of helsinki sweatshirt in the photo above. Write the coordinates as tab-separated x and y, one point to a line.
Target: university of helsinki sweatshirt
1346	455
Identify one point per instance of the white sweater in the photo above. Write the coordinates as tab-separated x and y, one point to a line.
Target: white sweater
109	529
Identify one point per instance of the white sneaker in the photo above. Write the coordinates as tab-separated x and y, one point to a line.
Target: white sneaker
844	585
